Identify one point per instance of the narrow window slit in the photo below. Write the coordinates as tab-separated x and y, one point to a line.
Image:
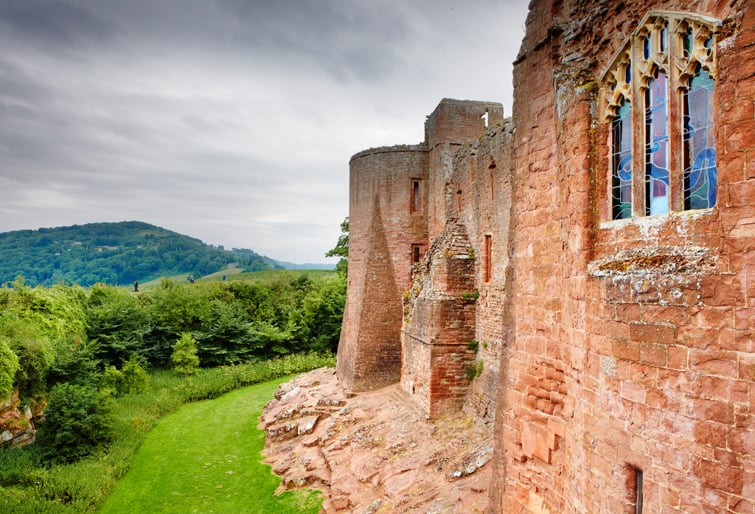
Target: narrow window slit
416	203
638	491
487	258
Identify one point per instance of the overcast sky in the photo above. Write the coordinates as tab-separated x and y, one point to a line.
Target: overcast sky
232	121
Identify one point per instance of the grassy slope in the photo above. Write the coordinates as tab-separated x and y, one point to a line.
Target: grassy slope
205	458
233	274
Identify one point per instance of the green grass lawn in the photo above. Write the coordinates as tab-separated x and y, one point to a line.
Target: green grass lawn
205	457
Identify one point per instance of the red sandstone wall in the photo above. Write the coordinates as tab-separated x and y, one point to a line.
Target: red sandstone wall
383	228
439	325
452	124
649	367
481	188
446	335
381	232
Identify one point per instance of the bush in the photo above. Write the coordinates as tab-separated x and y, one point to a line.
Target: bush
112	379
75	363
135	379
8	369
184	357
35	353
77	423
116	325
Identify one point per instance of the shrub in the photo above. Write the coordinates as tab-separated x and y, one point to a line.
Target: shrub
75	363
112	379
35	355
184	357
116	324
135	378
131	379
77	423
8	369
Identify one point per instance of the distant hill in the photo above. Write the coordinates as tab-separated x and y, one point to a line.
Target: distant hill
113	253
305	266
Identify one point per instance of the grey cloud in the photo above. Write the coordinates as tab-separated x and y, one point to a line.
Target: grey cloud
54	25
231	121
355	39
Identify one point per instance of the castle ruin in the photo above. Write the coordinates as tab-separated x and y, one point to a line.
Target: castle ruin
581	275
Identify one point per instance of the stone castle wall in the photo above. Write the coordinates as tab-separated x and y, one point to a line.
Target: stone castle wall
382	230
629	344
604	352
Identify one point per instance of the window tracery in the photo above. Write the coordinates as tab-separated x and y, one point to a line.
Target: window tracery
658	96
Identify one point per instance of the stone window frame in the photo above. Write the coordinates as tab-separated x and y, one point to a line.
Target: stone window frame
416	200
658	44
417	252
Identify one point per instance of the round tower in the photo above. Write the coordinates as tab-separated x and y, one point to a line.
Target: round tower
387	234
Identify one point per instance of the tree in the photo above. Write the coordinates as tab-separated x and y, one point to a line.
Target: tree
135	378
77	423
8	368
116	325
342	248
184	357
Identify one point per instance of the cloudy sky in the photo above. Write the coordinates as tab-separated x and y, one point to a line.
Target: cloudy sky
232	121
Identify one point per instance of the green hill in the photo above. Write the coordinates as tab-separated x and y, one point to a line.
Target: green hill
113	253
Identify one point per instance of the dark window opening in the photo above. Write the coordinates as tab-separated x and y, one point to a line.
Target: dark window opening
416	253
416	204
638	491
487	259
491	167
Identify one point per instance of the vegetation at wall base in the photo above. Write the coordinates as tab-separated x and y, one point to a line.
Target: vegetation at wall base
98	364
29	484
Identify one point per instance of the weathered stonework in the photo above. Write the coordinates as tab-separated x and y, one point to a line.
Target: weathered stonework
612	351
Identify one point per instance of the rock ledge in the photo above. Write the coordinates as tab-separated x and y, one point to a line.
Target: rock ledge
374	452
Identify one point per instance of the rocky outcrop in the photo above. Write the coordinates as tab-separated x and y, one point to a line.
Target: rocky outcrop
375	451
17	426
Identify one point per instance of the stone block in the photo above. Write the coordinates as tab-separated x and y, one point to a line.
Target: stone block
535	441
652	333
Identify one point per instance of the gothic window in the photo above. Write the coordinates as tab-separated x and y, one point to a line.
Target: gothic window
699	146
621	161
658	97
656	145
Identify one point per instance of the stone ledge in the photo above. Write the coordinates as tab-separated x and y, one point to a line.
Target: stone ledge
654	261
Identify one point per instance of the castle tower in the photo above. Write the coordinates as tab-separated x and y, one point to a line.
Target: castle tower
387	231
452	124
394	191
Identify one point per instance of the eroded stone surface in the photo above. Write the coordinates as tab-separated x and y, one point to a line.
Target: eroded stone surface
375	451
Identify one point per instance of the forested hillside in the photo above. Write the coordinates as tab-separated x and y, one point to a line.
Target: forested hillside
112	253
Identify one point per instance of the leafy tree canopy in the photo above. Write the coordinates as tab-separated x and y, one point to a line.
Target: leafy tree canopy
342	248
113	253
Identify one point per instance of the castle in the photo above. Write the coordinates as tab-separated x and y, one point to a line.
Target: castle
581	275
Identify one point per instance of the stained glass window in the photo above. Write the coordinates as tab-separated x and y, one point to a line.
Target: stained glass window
621	158
656	146
664	73
700	172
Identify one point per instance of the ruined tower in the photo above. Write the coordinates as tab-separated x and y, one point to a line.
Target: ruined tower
397	198
582	274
